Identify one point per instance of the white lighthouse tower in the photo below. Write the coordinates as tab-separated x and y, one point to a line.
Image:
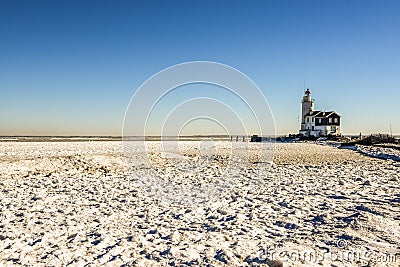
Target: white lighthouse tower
307	106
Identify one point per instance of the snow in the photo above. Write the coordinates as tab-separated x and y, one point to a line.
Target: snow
77	203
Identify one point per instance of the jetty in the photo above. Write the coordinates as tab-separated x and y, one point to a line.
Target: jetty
373	139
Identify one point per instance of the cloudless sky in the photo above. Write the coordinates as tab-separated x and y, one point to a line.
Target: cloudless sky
71	67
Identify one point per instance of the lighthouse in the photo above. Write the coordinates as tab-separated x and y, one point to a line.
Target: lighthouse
307	106
317	123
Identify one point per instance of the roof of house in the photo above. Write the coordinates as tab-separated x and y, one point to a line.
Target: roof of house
321	113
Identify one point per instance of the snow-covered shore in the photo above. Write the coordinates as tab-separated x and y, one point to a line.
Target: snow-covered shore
377	152
75	203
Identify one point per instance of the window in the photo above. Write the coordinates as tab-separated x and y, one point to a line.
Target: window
336	120
330	120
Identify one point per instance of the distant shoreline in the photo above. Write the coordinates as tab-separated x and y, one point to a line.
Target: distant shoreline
9	138
111	138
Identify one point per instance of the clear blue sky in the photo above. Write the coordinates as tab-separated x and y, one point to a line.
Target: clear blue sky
71	67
